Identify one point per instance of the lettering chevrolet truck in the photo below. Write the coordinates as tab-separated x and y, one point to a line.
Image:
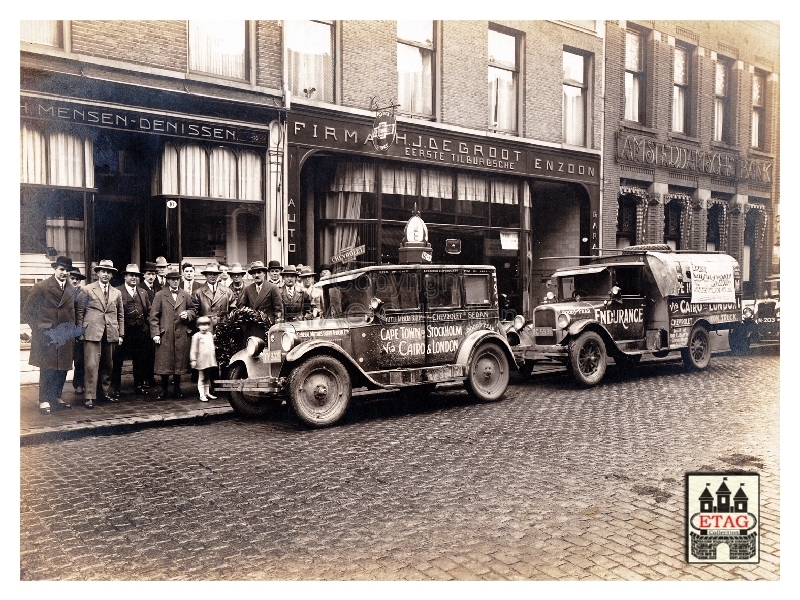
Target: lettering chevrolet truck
383	328
646	299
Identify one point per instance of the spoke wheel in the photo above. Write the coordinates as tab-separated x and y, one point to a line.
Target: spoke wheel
587	355
698	354
488	374
319	390
248	404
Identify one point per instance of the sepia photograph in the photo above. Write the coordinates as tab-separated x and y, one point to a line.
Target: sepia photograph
365	299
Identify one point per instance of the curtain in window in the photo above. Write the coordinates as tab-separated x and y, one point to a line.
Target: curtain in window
678	108
354	177
526	195
631	97
719	119
40	32
33	156
217	47
755	138
309	53
341	205
67	156
414	79
504	192
250	169
436	184
193	171
66	236
502	99
471	188
165	177
574	116
223	173
399	180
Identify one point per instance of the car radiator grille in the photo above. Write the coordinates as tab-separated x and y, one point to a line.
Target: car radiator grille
545	317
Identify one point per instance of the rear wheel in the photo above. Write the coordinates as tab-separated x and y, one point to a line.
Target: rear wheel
587	356
248	404
698	353
488	374
320	390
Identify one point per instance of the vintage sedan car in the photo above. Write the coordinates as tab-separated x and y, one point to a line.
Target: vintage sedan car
761	319
646	299
383	328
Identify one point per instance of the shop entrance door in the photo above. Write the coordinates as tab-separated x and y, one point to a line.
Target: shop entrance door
117	231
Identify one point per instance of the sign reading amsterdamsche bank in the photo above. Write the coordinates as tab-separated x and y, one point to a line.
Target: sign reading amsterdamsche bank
449	149
75	113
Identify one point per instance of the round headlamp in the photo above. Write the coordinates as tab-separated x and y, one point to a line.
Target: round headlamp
254	346
562	321
288	341
519	322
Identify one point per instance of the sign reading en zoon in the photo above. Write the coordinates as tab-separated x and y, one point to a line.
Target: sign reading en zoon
722	517
645	150
432	147
120	118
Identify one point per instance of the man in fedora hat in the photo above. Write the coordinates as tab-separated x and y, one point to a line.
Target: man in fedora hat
296	301
315	293
237	286
263	296
76	278
104	328
274	269
161	271
54	317
136	307
149	275
170	332
211	300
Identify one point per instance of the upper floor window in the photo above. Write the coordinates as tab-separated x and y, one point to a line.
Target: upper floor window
503	76
218	47
634	77
48	33
309	56
672	224
415	64
681	96
575	86
757	125
626	222
722	108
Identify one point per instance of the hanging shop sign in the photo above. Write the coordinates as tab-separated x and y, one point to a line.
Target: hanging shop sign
384	128
121	118
646	150
430	146
348	254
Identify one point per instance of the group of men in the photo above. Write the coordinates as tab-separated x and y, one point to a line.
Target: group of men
149	319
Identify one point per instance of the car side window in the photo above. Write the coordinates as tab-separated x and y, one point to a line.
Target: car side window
477	289
443	290
629	280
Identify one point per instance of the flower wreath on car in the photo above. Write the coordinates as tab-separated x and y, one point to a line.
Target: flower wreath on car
231	335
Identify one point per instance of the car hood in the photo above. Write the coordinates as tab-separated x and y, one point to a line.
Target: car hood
576	310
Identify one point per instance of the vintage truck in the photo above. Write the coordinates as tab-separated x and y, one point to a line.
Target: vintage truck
382	328
645	299
761	319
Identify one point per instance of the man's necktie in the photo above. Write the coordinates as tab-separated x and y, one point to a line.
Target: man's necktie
105	292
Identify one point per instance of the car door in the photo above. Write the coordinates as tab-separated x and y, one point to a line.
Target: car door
445	317
398	331
625	316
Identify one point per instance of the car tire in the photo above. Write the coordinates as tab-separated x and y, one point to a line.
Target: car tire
488	373
250	405
739	340
697	354
320	391
587	357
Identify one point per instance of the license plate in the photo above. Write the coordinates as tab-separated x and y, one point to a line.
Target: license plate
542	331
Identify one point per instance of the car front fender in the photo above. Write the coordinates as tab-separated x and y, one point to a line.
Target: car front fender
324	347
474	339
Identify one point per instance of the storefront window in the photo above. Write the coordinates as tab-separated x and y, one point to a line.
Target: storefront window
58	159
436	197
52	223
223	231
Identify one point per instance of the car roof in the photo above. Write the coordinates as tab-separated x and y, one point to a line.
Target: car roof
354	273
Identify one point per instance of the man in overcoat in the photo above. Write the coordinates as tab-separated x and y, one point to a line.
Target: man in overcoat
150	285
54	318
212	300
104	329
263	296
170	331
136	305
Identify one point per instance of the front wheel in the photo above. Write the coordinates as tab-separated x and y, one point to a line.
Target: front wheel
249	404
698	353
488	374
319	390
587	357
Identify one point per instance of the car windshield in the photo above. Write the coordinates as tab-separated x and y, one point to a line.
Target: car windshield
587	286
348	298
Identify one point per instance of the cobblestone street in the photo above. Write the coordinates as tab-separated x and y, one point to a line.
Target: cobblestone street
553	482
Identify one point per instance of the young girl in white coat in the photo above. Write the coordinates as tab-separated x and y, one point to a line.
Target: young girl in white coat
202	357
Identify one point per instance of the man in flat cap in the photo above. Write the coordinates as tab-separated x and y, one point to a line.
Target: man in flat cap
54	317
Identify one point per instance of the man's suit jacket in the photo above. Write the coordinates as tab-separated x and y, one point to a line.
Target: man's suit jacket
53	315
136	309
267	301
103	317
214	306
196	285
297	307
150	291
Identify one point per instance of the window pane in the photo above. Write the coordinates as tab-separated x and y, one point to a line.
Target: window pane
309	49
633	51
680	75
40	32
755	137
574	116
502	99
502	49
719	119
217	47
414	76
416	31
758	91
678	109
574	67
227	231
721	79
631	97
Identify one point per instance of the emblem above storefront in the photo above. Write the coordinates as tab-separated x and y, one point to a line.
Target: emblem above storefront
384	128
